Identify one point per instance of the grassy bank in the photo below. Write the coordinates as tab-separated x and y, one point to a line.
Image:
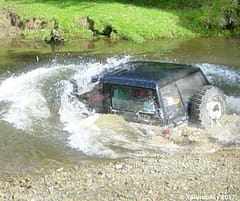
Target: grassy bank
131	20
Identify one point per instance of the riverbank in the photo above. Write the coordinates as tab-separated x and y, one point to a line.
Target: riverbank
181	176
122	20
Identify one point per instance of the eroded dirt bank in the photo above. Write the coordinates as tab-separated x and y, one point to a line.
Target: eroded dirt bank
7	24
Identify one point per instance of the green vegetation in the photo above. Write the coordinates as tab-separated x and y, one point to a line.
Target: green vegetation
132	20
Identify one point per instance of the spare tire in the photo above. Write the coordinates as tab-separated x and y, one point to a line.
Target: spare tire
207	106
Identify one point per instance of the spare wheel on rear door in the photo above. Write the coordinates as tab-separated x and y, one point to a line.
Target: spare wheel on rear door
207	106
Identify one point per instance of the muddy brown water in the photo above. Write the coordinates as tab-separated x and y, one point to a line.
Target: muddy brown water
41	122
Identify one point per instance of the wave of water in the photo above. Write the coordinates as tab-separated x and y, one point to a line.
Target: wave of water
24	99
35	100
226	78
84	134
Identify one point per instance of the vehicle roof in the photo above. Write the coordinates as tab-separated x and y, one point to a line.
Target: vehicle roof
148	74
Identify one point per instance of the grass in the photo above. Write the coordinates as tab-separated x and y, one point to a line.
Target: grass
136	21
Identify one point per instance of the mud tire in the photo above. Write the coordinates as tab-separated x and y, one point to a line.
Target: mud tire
207	106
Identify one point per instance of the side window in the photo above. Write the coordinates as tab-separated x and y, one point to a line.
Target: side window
172	102
133	99
189	85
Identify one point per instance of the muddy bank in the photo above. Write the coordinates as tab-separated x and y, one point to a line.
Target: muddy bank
8	30
13	25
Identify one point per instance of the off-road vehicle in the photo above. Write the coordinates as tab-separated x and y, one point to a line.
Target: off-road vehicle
156	93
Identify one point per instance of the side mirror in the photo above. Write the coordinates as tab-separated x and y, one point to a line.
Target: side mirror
95	78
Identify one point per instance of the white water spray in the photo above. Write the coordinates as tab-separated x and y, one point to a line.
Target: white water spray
25	102
84	133
225	76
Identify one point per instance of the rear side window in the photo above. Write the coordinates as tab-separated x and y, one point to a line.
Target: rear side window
172	103
133	99
189	85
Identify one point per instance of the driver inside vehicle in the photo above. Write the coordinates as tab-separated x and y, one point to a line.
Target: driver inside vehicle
145	96
148	105
133	99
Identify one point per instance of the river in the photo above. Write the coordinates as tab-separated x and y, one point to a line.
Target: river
40	122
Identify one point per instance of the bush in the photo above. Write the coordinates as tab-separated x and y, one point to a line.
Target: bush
221	15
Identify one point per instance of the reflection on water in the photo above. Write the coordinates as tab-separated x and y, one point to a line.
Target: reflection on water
222	51
40	119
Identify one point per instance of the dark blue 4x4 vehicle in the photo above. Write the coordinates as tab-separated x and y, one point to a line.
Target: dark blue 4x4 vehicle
165	94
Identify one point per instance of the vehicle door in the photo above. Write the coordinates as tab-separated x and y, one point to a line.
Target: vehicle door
135	103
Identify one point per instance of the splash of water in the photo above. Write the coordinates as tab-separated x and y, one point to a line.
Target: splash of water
227	79
24	99
25	96
26	102
84	134
220	74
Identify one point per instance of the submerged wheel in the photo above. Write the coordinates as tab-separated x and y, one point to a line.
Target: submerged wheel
207	106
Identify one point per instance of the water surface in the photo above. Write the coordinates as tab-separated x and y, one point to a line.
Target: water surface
40	120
